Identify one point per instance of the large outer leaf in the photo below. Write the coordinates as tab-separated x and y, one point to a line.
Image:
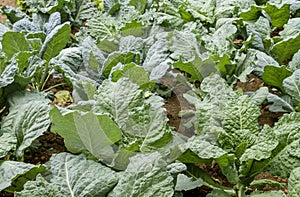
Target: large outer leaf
140	119
14	42
55	41
274	76
63	124
146	175
27	121
97	132
286	48
69	58
291	86
73	176
286	156
17	173
240	123
294	183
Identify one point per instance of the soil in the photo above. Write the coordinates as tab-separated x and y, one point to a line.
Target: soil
6	2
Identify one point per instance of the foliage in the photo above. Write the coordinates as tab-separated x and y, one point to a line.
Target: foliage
118	56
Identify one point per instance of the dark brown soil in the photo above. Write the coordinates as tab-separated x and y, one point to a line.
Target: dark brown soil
50	144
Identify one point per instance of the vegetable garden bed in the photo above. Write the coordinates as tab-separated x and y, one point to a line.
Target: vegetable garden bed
150	98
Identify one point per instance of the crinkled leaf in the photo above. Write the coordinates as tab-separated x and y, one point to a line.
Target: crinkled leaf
45	6
131	44
286	156
14	42
157	53
82	10
53	21
220	41
55	41
27	121
69	58
40	187
141	119
294	183
274	76
25	25
73	175
7	76
14	174
197	150
8	142
146	175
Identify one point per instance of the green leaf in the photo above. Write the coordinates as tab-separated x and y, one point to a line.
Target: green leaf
286	156
27	121
184	45
142	120
7	143
140	5
294	63
280	104
115	58
97	133
8	75
201	150
279	16
261	183
291	86
55	41
64	125
13	14
294	183
135	74
240	122
218	193
72	175
14	42
268	194
197	68
13	174
185	183
146	175
274	76
82	10
45	6
285	49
